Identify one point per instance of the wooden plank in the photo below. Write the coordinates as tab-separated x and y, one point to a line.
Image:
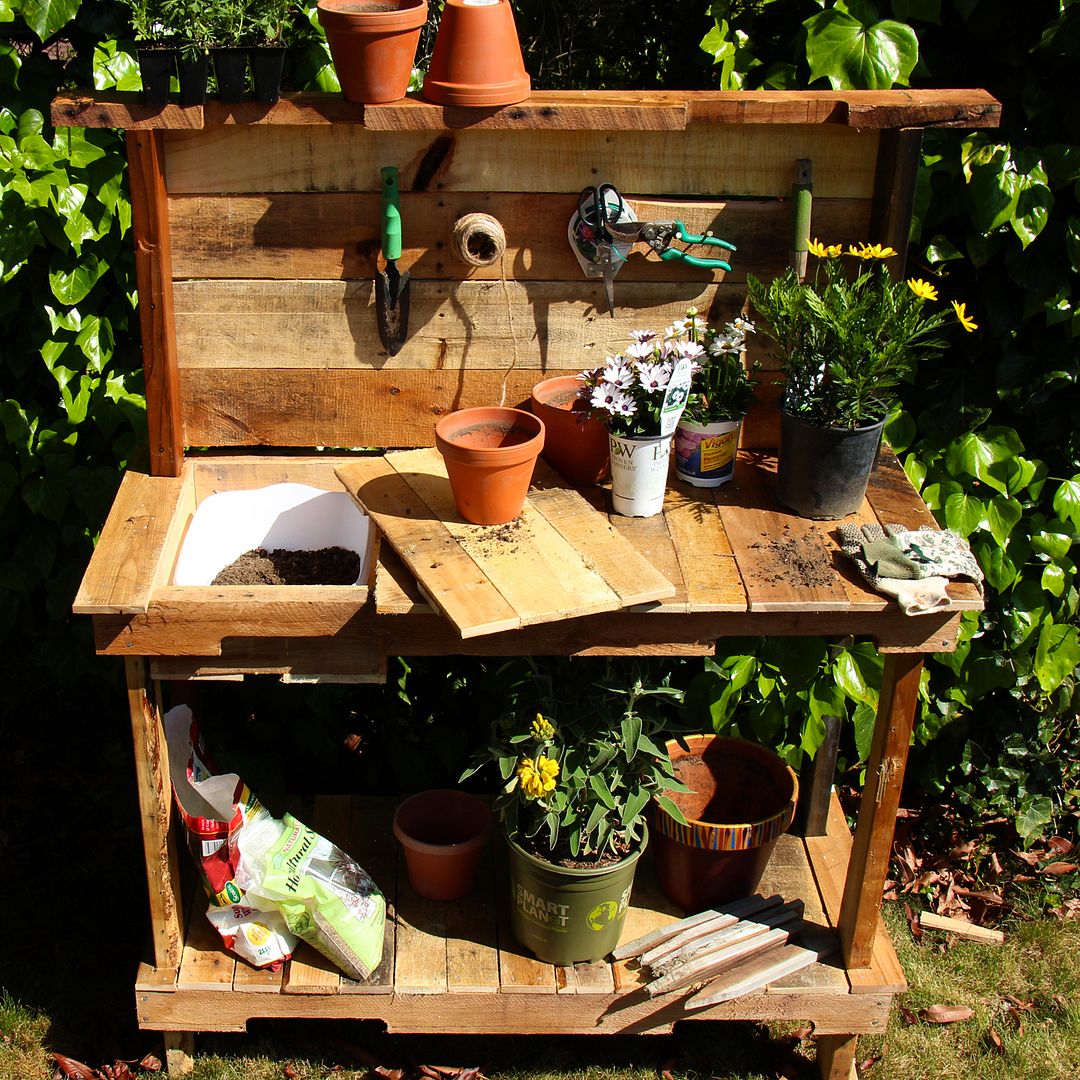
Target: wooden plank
420	948
153	273
585	978
590	109
396	591
240	472
472	945
894	193
709	569
155	814
128	555
836	1056
372	845
250	980
869	863
698	161
984	935
205	964
784	561
300	236
455	584
462	325
753	974
651	537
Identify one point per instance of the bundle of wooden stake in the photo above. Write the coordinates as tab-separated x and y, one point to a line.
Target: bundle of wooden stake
734	950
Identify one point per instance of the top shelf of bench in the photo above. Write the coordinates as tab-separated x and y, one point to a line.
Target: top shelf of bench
551	110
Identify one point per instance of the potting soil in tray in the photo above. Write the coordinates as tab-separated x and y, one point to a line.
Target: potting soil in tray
323	566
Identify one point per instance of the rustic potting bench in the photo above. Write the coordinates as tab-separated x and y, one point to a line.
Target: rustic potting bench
256	232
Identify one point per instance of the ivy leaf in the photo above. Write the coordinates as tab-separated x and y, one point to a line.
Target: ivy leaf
850	679
1036	811
977	453
1056	655
96	341
900	431
46	17
964	513
114	68
1053	579
1067	501
1001	516
71	280
941	250
853	54
1051	541
863	720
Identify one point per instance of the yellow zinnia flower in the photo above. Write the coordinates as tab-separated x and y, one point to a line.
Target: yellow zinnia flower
966	321
542	727
922	289
537	777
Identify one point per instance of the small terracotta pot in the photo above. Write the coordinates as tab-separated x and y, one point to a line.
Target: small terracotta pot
575	441
373	44
743	800
443	834
477	56
489	454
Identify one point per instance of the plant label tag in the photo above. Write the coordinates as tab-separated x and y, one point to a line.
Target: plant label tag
678	389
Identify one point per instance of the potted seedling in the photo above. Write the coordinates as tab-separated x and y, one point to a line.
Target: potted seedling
721	394
192	21
230	29
267	53
156	48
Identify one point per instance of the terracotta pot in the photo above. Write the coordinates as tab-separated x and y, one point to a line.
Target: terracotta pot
373	44
443	834
490	454
477	56
575	441
743	800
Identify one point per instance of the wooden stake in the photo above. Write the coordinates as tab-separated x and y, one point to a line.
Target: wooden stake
753	975
929	921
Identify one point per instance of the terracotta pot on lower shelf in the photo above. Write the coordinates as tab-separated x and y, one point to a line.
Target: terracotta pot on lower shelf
743	800
490	454
477	56
575	441
443	834
373	45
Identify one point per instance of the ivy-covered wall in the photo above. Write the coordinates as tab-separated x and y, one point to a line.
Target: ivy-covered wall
988	432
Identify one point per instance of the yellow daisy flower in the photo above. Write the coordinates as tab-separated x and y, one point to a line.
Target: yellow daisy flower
834	251
817	248
922	289
858	252
966	321
537	777
876	251
542	727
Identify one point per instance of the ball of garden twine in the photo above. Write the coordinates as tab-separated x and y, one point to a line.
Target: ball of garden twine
478	239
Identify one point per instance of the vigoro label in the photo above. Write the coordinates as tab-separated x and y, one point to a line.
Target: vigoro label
717	451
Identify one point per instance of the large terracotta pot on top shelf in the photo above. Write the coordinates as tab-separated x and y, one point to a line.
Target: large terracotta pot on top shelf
489	454
743	799
575	441
477	56
373	44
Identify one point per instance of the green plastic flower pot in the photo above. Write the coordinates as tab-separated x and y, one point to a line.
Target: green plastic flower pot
568	915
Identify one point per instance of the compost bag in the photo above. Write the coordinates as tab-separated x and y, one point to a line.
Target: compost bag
270	881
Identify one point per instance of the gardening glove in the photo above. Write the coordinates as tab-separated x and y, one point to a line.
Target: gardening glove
938	551
917	597
887	559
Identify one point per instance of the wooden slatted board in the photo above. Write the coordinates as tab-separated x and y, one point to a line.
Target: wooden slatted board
558	559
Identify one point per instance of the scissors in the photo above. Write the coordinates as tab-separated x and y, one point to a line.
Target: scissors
659	236
600	209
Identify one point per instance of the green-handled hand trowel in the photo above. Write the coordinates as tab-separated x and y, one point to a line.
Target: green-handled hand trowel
391	286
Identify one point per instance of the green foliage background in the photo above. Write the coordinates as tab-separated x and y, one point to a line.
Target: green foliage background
987	432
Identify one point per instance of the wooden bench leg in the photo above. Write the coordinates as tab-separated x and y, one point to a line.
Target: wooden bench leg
179	1052
836	1056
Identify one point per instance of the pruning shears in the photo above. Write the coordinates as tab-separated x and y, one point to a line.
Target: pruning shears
659	235
599	212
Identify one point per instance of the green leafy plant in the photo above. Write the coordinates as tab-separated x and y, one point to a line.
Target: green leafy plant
578	776
721	388
148	19
271	20
845	343
194	21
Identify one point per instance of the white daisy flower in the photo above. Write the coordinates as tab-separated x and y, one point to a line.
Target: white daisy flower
653	377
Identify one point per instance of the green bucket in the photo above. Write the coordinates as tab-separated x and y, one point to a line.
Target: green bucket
567	915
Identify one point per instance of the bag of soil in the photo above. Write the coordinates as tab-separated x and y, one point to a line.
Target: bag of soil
255	930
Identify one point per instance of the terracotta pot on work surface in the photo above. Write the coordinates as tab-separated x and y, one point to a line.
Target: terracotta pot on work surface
743	800
490	454
575	442
373	44
443	833
477	56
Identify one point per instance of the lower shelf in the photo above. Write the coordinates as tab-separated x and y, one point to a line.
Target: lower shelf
455	968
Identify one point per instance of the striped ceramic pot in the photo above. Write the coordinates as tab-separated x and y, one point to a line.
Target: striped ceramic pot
742	799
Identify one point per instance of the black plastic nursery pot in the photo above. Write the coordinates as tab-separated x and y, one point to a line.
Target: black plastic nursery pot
230	70
569	915
267	64
156	68
822	473
193	66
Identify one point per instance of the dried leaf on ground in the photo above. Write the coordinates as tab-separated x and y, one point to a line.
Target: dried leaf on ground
907	1015
290	1071
996	1041
1069	910
868	1063
913	922
1056	869
946	1014
388	1074
1059	845
74	1070
151	1063
119	1070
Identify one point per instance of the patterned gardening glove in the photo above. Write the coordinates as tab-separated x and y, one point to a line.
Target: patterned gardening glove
916	595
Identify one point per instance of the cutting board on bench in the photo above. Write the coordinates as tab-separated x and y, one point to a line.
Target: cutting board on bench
559	559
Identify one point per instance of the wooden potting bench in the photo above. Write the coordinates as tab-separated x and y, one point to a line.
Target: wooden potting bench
256	234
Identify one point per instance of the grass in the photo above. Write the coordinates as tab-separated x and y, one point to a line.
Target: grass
1027	991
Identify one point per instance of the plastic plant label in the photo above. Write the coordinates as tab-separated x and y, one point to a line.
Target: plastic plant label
678	389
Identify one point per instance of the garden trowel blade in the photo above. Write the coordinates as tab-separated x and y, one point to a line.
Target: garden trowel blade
392	307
